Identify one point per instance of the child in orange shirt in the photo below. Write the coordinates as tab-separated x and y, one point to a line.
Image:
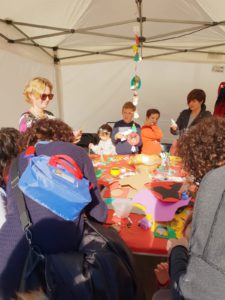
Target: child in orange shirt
151	134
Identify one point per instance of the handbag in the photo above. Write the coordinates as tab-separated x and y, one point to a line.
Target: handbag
57	183
101	268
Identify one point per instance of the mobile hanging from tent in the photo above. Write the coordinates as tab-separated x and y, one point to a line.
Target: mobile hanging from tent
169	32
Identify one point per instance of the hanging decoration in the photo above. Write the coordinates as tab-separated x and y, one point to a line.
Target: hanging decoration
135	83
133	139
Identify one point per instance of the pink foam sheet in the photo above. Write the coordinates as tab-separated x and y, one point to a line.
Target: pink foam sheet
161	211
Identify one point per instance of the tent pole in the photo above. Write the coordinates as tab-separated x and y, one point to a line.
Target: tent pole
140	20
59	90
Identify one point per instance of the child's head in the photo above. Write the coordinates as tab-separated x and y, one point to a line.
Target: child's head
104	132
9	148
47	130
152	116
128	110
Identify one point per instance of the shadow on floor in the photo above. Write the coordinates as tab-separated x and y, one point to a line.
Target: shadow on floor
145	271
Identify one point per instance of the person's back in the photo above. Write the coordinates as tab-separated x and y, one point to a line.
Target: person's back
51	233
95	257
197	269
205	276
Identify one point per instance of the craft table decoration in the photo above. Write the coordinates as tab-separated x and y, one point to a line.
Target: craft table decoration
136	180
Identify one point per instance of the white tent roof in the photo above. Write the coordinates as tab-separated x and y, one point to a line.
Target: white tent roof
75	31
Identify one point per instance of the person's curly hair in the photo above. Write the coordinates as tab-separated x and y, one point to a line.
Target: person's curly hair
47	130
202	147
9	148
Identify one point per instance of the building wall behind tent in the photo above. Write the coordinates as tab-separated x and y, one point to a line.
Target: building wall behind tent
15	72
95	93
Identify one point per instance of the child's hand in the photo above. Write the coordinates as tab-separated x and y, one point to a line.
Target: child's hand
120	136
90	146
162	273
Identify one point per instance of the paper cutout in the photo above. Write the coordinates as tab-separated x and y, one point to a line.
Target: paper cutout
159	210
136	181
114	190
164	232
131	193
166	191
98	173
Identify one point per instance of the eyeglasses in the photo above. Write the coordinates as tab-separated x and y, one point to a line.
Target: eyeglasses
45	96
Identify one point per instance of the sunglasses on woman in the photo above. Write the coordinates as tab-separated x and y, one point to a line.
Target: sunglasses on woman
45	96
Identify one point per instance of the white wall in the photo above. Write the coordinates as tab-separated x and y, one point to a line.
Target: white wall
15	72
95	93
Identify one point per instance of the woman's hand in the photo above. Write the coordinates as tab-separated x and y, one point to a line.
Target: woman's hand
77	136
174	127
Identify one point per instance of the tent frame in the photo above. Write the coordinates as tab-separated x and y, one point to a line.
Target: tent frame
145	42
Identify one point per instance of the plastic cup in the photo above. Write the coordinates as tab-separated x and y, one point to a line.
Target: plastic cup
122	207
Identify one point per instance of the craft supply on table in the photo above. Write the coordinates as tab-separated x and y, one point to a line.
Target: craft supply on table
115	171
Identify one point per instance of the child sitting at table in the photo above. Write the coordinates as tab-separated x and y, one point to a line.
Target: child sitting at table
105	146
151	134
126	134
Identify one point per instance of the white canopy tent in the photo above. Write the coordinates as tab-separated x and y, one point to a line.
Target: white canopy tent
85	48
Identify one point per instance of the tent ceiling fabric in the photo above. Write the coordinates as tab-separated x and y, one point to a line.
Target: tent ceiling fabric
75	31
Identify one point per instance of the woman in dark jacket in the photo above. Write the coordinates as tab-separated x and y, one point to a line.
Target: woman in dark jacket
51	233
193	115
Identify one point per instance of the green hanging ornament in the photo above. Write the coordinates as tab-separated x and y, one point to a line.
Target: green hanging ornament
136	57
135	83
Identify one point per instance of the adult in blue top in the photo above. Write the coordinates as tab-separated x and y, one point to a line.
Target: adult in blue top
51	233
126	134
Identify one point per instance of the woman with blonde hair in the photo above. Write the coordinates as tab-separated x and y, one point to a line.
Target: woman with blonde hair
38	93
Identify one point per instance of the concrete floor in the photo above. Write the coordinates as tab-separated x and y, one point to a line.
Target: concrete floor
145	271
